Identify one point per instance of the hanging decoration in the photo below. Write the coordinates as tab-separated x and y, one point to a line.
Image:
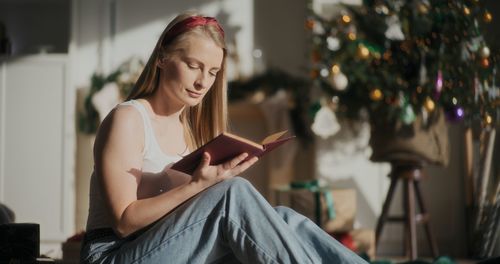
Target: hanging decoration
399	58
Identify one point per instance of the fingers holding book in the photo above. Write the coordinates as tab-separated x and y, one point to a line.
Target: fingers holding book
211	174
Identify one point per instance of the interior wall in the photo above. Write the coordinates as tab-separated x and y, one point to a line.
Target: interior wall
33	26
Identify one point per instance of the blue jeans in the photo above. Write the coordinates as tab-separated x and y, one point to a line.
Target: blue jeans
229	222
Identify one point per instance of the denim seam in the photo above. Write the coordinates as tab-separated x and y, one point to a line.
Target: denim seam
249	238
168	240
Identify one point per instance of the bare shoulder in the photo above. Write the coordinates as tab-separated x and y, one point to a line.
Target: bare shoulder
122	125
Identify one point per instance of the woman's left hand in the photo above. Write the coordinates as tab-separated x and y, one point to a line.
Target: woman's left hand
209	175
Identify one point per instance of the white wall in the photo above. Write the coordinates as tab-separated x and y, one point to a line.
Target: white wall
110	32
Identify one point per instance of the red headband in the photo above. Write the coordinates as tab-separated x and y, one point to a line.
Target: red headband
190	23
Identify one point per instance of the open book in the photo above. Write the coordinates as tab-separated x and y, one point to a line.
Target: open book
226	146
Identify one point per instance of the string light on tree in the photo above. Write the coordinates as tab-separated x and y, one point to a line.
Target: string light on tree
487	17
429	104
430	50
376	94
363	51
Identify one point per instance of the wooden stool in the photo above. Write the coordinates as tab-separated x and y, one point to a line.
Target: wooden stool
410	172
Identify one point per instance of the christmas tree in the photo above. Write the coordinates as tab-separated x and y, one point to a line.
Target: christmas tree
399	59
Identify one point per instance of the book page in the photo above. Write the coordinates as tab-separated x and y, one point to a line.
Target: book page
273	137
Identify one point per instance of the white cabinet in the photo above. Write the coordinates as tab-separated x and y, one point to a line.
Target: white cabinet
36	143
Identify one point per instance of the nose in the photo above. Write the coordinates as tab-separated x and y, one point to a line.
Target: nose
203	81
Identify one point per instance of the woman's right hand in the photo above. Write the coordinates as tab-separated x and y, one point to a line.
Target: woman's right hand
208	175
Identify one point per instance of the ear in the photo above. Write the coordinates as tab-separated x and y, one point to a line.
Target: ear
162	62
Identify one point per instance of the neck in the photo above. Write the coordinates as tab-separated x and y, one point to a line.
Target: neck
163	108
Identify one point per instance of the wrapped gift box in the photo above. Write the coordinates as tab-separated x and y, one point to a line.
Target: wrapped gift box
364	241
313	203
361	241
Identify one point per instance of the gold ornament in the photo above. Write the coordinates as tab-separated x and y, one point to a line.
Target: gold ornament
351	36
376	94
487	17
346	19
466	11
363	51
487	119
429	104
335	69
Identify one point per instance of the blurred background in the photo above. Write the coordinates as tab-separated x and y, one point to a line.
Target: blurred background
305	66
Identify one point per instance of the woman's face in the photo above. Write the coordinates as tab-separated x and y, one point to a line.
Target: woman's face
188	74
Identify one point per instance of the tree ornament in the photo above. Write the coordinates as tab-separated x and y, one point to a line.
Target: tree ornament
333	43
324	72
310	24
325	123
487	119
376	94
429	104
363	51
318	29
455	113
351	36
439	85
466	11
381	9
394	31
339	81
346	19
487	17
484	52
407	115
485	62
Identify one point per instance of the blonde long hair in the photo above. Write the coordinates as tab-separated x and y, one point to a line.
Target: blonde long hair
206	120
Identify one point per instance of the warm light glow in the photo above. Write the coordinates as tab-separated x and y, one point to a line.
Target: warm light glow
335	69
376	94
429	104
346	19
363	51
488	119
466	11
351	36
488	17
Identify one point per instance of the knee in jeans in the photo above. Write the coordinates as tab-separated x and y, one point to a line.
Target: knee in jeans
238	183
284	210
287	212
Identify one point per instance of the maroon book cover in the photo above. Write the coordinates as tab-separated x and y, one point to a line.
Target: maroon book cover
226	146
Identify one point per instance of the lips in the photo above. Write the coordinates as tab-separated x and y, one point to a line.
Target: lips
193	94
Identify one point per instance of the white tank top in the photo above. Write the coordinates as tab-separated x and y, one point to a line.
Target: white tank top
155	165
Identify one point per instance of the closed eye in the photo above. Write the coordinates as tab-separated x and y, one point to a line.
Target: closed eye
193	66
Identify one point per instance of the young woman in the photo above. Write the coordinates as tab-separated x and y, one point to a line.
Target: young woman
143	212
